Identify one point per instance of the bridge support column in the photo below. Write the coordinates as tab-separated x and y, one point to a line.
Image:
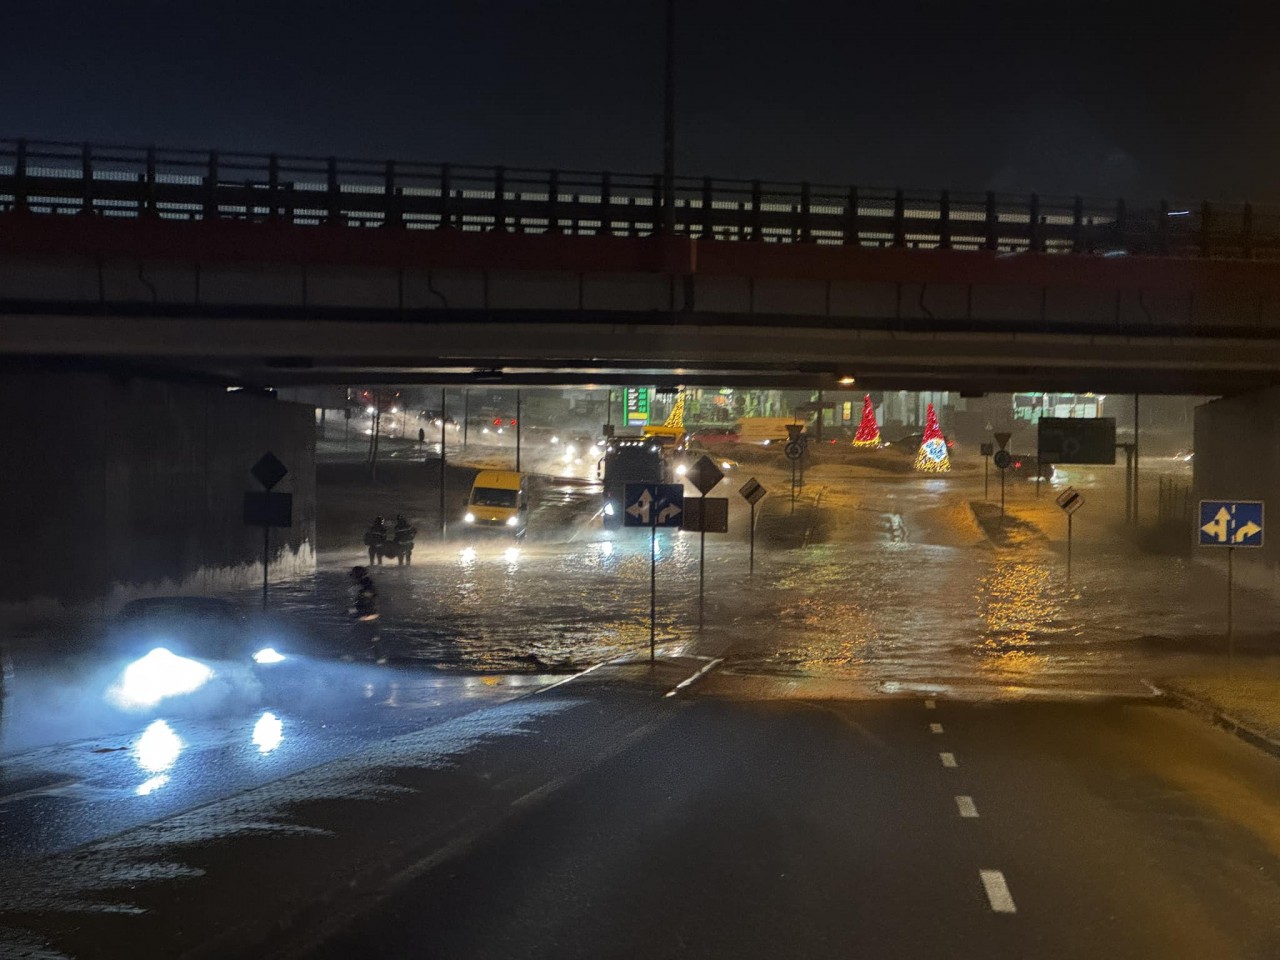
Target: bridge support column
127	486
1237	449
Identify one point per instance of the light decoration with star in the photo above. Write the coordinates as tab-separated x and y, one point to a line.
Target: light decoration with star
932	456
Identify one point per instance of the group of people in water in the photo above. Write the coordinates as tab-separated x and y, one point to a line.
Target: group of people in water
394	542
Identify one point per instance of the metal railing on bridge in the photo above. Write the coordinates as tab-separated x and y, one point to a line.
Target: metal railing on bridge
118	181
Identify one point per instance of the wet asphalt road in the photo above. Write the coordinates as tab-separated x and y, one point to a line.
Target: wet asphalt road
873	829
145	768
757	818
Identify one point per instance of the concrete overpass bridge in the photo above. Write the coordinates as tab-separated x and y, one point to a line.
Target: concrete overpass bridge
280	270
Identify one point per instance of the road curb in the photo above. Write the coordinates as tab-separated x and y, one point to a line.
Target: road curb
1207	710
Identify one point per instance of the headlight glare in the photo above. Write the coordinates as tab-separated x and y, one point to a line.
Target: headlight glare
157	676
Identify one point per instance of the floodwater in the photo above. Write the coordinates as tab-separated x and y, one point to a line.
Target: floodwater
881	577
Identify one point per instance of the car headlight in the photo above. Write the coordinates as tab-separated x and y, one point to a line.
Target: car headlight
469	518
268	655
157	676
608	509
726	465
512	521
681	470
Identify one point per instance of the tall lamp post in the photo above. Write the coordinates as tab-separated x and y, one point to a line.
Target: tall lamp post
669	125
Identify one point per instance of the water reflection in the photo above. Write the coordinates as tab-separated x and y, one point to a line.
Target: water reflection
156	751
268	732
158	748
1020	605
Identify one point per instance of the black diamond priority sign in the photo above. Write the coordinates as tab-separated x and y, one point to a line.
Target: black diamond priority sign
704	475
269	470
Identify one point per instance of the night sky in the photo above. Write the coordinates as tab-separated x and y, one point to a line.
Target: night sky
1106	99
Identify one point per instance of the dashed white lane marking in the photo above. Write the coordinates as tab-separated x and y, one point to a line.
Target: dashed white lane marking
948	759
935	727
966	807
931	704
998	894
688	680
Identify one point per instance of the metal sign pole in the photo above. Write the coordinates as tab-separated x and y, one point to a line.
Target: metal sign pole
1230	583
751	567
793	488
986	469
702	554
444	526
653	578
266	561
1069	519
518	418
1136	420
1002	472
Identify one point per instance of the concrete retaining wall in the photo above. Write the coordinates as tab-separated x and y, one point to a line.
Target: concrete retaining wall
1237	444
121	486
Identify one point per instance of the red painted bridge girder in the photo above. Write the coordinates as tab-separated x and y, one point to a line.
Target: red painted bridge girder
231	241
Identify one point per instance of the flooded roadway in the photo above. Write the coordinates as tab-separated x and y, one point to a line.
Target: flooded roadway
874	578
876	583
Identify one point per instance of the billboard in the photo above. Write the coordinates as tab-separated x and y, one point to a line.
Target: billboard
1077	439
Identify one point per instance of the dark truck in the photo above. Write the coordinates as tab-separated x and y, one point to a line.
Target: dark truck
629	460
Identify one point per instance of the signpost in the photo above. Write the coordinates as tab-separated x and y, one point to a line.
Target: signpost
267	509
444	416
1002	461
1070	501
753	493
987	450
653	505
704	475
794	450
1231	524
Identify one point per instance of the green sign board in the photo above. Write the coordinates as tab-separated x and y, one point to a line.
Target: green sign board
637	406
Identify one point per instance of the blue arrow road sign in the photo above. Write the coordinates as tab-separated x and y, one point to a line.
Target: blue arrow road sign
1230	523
653	504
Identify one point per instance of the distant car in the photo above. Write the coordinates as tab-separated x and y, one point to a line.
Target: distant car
1027	466
692	453
175	645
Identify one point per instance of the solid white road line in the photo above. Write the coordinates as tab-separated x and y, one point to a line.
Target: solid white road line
935	727
998	894
595	666
688	680
966	807
931	704
948	759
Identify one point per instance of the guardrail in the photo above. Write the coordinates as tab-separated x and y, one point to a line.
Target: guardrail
47	177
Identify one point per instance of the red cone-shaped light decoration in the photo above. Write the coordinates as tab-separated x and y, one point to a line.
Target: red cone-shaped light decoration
868	434
932	457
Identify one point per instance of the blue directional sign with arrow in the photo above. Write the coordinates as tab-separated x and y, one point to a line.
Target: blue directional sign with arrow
653	505
1231	523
